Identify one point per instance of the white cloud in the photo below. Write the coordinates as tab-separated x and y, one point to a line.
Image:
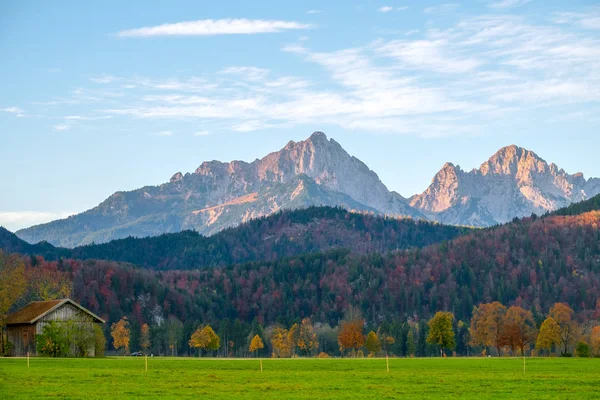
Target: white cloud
428	54
451	81
589	20
202	133
314	12
508	3
442	8
12	110
386	9
163	133
215	27
61	127
103	79
14	220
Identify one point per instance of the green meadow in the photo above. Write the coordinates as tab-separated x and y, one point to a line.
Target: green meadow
464	378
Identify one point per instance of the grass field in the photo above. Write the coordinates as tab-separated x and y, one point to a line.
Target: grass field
300	378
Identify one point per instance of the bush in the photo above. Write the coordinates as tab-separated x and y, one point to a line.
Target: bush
53	342
8	349
323	355
582	349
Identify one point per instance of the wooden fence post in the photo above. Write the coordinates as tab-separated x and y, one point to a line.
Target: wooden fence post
261	365
387	363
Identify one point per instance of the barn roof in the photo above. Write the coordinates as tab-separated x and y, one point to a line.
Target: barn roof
37	309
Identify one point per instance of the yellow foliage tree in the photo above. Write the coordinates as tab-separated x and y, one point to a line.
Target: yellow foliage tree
307	337
372	344
569	330
282	343
205	339
256	344
549	335
12	286
120	334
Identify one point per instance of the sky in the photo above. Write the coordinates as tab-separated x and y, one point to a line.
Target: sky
104	96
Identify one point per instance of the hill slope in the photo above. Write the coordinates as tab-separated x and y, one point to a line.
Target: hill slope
286	233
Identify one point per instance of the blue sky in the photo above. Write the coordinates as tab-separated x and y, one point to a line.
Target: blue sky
104	96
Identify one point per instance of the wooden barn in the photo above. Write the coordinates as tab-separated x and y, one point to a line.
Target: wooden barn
23	325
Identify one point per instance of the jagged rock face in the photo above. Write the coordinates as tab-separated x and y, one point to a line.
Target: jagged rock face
316	171
514	182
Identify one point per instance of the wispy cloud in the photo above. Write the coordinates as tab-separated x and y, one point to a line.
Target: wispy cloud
589	20
313	12
14	220
451	81
202	133
442	8
508	3
12	110
103	79
215	27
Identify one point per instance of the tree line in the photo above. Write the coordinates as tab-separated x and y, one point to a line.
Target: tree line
493	329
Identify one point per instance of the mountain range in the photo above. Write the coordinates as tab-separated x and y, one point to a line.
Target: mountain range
317	171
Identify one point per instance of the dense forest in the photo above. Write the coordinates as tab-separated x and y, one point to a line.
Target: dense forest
284	234
532	262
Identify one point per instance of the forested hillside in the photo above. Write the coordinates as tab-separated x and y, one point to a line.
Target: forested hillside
533	263
286	233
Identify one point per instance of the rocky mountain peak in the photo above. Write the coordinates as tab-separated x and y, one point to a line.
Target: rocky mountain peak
176	178
512	160
514	182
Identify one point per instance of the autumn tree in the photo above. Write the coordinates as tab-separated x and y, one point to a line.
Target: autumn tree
120	333
281	342
145	337
549	335
205	339
45	283
306	339
12	286
440	331
595	341
372	344
256	344
518	329
486	323
569	330
351	335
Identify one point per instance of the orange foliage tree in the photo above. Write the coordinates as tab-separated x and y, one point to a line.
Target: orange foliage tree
351	335
145	337
120	334
486	323
518	329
